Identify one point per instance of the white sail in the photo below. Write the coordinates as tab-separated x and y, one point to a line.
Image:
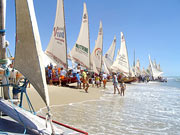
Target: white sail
154	63
132	72
94	68
109	56
137	68
123	57
144	73
81	50
159	67
28	54
105	68
122	63
115	64
96	55
57	48
149	70
47	60
155	72
73	63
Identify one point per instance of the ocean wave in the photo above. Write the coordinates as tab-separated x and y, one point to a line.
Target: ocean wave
145	109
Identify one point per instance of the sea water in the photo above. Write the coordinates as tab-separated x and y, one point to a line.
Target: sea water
146	109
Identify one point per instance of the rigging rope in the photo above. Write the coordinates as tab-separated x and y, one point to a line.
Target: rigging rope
6	75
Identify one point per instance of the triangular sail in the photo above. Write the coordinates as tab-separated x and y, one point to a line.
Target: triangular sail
154	63
105	68
159	67
109	56
132	72
73	63
28	54
143	73
96	55
149	70
57	48
81	49
94	68
155	72
137	68
123	62
115	64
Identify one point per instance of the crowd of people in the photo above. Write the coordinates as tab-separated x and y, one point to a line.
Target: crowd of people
82	77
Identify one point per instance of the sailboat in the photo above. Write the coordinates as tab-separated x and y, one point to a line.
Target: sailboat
109	56
121	64
155	72
96	56
159	67
29	61
137	68
57	48
81	50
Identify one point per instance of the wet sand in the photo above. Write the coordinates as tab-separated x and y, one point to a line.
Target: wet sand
63	95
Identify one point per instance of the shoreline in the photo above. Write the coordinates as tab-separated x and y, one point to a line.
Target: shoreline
63	95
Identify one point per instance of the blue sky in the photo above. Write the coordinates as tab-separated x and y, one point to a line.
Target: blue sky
149	26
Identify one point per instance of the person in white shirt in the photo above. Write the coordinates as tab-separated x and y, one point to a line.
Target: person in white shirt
104	79
115	83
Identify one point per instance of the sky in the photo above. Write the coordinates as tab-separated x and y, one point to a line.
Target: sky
149	27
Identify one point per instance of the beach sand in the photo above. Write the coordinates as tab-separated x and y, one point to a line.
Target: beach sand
63	95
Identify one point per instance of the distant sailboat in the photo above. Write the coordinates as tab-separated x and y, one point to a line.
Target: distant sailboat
81	50
96	56
144	73
154	63
137	68
57	48
155	72
109	56
122	62
95	69
159	67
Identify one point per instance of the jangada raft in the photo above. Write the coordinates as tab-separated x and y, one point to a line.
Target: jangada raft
28	60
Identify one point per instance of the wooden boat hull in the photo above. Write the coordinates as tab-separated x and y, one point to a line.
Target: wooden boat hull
65	81
127	79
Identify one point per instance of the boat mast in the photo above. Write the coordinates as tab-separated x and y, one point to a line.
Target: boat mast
102	52
89	68
65	37
134	59
2	32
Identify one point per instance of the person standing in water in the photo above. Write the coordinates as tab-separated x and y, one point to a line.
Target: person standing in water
115	83
123	88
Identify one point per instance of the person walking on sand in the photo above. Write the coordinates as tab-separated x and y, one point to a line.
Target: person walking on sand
115	83
123	88
97	81
85	81
78	81
104	79
63	74
93	79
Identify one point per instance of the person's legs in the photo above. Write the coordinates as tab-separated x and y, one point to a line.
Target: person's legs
77	85
59	81
114	88
122	92
87	86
